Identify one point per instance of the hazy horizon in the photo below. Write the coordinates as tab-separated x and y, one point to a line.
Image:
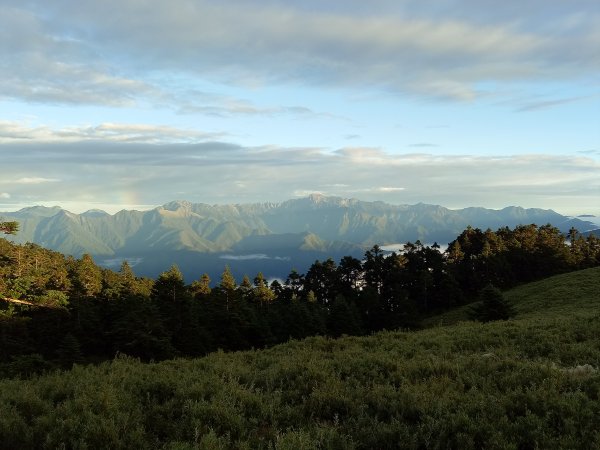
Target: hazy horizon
112	210
129	105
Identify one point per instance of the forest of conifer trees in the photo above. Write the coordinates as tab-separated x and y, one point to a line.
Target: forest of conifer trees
58	310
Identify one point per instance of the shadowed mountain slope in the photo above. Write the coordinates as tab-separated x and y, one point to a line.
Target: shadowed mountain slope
298	231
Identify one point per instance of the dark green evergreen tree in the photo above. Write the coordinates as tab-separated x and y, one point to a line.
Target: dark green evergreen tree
170	285
245	288
492	306
68	351
322	279
261	293
173	301
349	276
343	318
201	288
294	285
374	268
138	330
227	287
86	276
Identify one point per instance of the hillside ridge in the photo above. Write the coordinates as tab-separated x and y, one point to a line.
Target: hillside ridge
193	234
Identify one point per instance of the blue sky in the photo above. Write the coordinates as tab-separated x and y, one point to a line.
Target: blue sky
131	103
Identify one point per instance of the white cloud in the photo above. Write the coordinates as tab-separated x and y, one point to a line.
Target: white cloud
12	131
337	185
254	256
307	192
4	195
35	180
118	173
390	189
56	52
538	104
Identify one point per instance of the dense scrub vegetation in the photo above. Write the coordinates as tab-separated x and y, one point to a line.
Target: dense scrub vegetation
531	382
59	310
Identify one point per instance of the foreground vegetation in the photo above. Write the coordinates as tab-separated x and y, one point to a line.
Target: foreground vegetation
56	310
531	382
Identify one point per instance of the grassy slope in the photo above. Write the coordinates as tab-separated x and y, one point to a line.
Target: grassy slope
526	383
576	293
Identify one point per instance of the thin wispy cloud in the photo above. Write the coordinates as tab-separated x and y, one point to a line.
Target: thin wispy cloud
254	256
423	144
589	152
35	180
12	131
545	104
390	189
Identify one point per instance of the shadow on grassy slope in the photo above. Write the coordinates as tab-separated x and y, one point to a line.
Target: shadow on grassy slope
574	293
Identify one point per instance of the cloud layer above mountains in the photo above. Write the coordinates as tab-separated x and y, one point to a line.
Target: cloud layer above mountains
134	103
99	173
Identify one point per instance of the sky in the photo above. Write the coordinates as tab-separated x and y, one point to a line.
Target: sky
130	104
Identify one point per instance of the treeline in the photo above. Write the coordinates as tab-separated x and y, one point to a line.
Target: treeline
58	310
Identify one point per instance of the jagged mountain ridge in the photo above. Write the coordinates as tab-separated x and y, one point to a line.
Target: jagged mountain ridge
316	223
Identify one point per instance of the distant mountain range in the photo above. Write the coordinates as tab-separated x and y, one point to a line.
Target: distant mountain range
271	237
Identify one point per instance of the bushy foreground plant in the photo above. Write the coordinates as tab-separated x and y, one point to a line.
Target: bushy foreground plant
518	384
